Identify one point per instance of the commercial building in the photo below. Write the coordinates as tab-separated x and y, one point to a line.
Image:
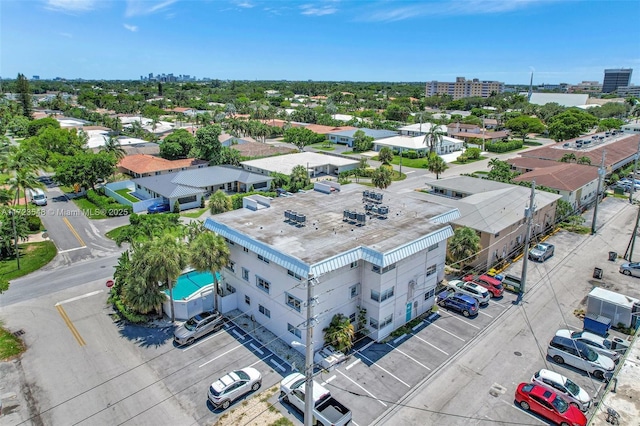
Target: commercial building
317	165
626	91
375	258
463	88
616	77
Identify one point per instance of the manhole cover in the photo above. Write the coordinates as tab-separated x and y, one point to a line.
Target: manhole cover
516	353
103	266
18	333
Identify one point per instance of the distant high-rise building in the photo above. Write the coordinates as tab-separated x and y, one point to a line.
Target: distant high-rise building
35	77
616	77
463	88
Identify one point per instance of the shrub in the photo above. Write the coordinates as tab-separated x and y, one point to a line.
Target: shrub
201	202
176	207
110	206
34	223
127	314
499	147
411	154
462	158
473	153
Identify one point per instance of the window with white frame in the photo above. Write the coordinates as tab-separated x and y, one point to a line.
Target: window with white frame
354	291
293	302
245	274
230	288
382	296
263	284
246	250
294	275
373	323
264	259
247	300
431	270
354	264
379	270
293	330
231	266
386	321
264	311
429	294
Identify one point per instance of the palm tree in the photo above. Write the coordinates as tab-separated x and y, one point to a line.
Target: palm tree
24	179
385	156
464	246
164	259
433	137
219	202
339	333
568	158
209	252
584	160
437	165
193	229
382	177
112	146
299	178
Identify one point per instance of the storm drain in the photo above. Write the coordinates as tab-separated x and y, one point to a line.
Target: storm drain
18	333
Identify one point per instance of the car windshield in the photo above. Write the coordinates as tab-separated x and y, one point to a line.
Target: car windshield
572	387
560	404
242	375
590	354
539	247
191	324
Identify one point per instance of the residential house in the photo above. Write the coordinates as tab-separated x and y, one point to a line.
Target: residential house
317	165
142	165
383	267
324	130
229	140
346	137
496	211
419	129
577	183
417	143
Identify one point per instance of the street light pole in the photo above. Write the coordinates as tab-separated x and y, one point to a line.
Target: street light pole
12	213
308	360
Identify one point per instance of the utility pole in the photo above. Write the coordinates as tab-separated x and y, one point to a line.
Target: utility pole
308	360
633	238
635	169
12	213
528	213
400	160
601	173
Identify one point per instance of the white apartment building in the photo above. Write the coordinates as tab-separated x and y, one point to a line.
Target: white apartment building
383	254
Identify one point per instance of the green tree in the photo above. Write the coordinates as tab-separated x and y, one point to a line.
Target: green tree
7	234
584	160
500	171
24	179
570	124
164	260
563	210
609	123
433	137
464	246
362	142
85	169
385	156
437	165
230	156
36	125
24	96
19	126
382	177
177	144
4	285
523	125
207	146
299	178
209	252
219	202
339	333
569	158
113	147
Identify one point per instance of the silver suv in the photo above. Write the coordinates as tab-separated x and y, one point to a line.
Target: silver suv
595	342
580	356
197	326
472	289
573	393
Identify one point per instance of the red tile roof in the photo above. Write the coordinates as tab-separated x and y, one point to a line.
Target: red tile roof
555	175
143	163
323	130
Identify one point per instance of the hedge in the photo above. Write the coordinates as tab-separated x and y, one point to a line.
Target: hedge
111	207
504	146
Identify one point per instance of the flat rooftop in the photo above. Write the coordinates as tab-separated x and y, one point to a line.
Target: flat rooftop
286	163
326	234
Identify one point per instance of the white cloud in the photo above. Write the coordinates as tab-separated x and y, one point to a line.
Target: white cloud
131	28
146	7
451	8
67	35
311	10
71	5
245	4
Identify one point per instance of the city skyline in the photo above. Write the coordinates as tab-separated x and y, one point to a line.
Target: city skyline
330	40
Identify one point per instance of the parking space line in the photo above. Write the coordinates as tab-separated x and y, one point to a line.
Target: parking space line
240	336
448	332
386	371
261	360
200	342
496	303
348	367
430	344
220	356
410	357
329	380
466	322
72	327
515	407
480	312
358	385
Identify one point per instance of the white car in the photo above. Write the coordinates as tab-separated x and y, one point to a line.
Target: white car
571	392
328	356
595	342
576	354
232	386
472	289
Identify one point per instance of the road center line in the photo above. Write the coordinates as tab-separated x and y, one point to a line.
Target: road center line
358	385
73	299
73	231
72	327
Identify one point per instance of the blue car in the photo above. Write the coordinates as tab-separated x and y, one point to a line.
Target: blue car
466	305
158	208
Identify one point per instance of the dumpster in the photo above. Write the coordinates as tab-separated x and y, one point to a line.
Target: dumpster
597	324
597	273
613	255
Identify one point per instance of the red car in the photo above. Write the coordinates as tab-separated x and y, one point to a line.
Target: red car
549	405
493	285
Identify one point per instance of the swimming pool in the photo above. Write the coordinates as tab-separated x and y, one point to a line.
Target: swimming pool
191	283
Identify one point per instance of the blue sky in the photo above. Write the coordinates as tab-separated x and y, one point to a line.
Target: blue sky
363	40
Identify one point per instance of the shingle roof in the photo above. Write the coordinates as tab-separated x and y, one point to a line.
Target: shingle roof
561	176
374	133
323	130
144	163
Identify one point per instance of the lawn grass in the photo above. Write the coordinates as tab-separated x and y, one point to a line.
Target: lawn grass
469	160
125	192
194	214
115	232
91	211
323	146
416	163
10	345
33	256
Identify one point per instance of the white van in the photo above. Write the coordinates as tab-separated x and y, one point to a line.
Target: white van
37	196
